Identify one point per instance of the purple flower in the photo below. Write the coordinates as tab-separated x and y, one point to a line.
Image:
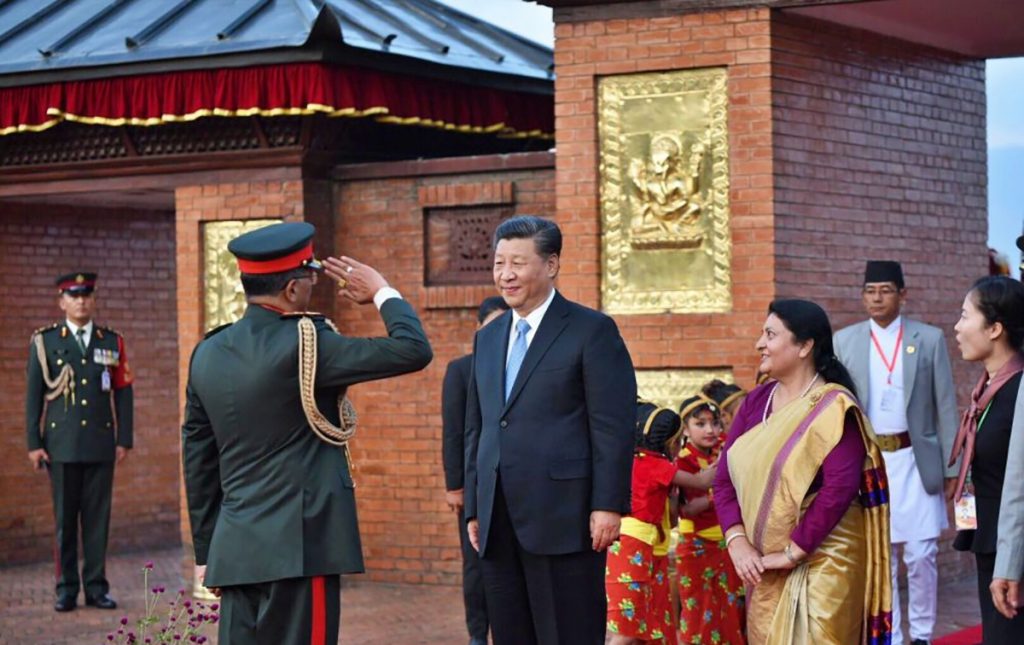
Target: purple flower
215	606
124	620
110	637
149	564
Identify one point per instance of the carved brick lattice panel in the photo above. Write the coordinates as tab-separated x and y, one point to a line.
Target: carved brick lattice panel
458	243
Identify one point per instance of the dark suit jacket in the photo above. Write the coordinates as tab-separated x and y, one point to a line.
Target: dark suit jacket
267	499
84	428
453	421
563	443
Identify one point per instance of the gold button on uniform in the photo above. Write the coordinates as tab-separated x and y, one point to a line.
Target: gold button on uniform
85	381
53	424
60	361
84	402
83	361
83	423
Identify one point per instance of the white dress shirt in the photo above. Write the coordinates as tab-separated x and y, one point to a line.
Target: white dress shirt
893	418
534	319
73	328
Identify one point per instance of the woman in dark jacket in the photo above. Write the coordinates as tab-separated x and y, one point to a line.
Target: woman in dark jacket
991	332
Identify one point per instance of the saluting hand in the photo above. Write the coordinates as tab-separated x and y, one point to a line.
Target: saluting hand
356	281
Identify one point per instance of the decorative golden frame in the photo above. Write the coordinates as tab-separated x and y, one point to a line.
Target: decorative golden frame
643	276
668	388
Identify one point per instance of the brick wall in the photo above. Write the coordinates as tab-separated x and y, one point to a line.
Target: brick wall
133	251
408	533
738	40
879	153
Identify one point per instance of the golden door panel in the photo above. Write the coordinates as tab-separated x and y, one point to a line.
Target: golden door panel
665	192
223	297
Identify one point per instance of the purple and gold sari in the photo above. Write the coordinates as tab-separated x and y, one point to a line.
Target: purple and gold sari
842	593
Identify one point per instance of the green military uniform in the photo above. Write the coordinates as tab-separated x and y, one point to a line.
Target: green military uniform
272	506
79	423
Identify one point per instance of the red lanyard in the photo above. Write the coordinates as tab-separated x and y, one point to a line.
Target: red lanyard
890	366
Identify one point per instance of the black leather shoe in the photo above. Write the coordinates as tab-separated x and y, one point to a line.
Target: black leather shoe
919	641
65	602
101	602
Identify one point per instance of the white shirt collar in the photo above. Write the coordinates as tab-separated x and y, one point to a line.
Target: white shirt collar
892	330
535	317
74	328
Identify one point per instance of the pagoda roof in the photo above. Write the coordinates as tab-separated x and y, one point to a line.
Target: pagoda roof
44	41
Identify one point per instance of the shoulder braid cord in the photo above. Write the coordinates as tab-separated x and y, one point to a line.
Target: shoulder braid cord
63	385
322	427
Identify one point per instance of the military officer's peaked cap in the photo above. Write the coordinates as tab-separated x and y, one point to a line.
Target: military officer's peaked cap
79	282
275	249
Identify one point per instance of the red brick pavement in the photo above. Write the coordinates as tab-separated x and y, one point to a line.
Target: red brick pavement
371	613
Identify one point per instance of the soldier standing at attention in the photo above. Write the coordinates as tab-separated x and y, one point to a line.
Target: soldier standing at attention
271	503
78	418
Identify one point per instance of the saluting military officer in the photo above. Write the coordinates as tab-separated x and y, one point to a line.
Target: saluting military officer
78	417
271	503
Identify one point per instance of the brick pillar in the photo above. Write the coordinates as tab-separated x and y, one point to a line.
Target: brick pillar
738	40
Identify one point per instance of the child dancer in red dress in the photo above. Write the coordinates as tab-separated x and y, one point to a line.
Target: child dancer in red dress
638	606
710	593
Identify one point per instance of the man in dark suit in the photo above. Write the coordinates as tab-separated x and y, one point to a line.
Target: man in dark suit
549	447
78	415
271	505
453	454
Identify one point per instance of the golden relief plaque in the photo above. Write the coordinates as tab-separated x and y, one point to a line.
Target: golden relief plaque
668	388
665	192
222	288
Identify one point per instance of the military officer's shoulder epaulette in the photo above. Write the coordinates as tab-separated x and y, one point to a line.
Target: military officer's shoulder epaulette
46	328
315	316
216	330
103	329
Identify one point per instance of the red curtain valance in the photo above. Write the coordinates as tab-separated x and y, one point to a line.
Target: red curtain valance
272	90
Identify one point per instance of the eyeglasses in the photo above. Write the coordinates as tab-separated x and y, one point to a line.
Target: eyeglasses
885	292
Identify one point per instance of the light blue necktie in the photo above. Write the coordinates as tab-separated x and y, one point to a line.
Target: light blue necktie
515	358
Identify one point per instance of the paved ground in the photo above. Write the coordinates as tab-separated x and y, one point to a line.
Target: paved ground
372	614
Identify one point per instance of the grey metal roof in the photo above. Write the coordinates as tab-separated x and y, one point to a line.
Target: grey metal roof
41	36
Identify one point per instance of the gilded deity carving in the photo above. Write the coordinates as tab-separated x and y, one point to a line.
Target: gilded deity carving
666	201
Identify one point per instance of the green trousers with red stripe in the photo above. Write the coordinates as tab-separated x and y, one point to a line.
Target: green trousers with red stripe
296	611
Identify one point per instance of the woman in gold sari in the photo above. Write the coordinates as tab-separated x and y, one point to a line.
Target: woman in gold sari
802	496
